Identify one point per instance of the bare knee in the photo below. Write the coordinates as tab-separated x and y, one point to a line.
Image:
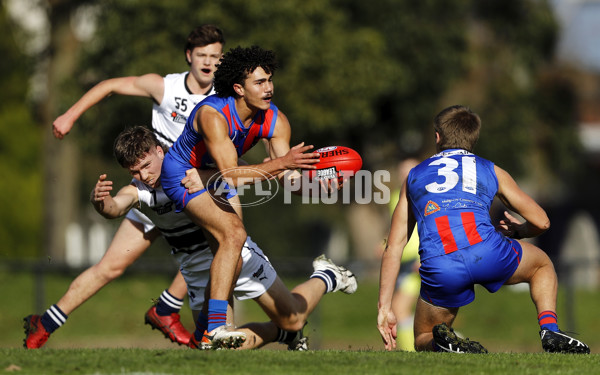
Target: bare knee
235	237
109	272
292	322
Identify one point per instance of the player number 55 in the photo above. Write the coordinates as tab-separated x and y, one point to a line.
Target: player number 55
181	103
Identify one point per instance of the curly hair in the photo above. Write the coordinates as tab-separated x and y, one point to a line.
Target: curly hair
132	144
237	64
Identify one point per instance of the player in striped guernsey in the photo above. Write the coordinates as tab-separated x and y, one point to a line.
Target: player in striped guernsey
449	196
219	130
138	150
173	96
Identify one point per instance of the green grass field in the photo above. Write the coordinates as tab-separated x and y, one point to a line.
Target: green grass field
107	335
173	361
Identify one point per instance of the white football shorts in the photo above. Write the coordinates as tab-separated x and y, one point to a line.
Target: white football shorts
255	279
137	216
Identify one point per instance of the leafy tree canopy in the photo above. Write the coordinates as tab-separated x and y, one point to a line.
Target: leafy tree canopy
20	151
370	75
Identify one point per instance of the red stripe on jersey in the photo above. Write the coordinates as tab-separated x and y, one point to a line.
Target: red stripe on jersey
227	115
197	153
266	122
445	233
252	134
260	128
468	220
269	122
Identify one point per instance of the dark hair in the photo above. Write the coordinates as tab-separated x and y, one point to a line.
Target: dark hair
458	127
203	36
236	64
133	144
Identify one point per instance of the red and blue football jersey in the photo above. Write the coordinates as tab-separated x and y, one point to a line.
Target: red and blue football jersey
190	147
450	195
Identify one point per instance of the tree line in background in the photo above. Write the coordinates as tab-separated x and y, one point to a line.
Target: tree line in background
369	75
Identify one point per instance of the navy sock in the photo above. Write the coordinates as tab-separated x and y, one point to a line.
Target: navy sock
167	304
328	277
53	318
285	336
201	326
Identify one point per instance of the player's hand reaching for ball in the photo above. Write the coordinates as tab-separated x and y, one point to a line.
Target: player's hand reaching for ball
298	157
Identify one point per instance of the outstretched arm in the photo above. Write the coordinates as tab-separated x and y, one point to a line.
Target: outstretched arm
216	137
148	85
536	220
402	226
113	207
291	178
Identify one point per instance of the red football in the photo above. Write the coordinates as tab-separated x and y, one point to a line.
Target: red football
336	161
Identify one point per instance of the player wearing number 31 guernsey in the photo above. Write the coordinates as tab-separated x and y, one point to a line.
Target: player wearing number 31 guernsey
448	197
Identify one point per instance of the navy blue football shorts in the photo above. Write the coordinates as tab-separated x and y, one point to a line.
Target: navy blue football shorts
171	175
448	280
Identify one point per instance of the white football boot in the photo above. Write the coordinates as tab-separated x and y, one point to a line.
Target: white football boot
344	278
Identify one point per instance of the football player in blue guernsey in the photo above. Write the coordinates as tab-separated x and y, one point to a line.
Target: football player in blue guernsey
218	131
448	197
173	96
138	150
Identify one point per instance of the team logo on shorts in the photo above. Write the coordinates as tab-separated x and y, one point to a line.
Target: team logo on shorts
431	207
259	274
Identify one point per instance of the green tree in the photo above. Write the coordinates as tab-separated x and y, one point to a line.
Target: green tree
330	70
20	141
370	75
429	45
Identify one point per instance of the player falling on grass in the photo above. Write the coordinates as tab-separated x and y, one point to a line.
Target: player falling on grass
138	150
449	196
219	131
174	96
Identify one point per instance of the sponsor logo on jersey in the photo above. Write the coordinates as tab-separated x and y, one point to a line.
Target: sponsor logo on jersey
431	207
179	118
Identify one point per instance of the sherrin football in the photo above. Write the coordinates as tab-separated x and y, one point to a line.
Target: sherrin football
336	161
